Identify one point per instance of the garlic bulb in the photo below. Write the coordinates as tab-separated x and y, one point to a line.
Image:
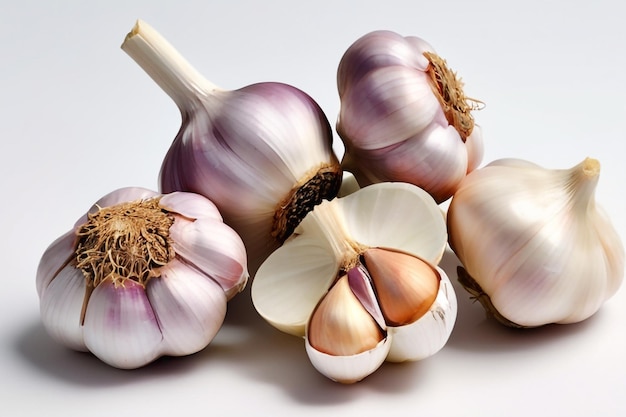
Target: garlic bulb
141	275
404	116
360	286
262	153
535	247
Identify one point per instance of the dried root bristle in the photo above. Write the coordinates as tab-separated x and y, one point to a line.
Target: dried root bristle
323	184
477	293
449	90
126	241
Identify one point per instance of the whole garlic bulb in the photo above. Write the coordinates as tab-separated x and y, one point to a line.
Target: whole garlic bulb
262	153
535	247
360	286
404	116
141	275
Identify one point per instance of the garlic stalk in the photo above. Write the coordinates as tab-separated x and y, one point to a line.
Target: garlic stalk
535	247
404	115
360	286
262	153
141	275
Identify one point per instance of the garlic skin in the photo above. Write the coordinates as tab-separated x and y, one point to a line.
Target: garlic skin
403	115
546	252
262	153
160	289
352	279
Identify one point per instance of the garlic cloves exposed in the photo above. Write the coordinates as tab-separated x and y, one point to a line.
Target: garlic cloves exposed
352	277
340	325
404	115
141	275
405	285
535	247
262	153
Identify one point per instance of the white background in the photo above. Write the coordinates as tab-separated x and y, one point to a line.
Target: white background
78	118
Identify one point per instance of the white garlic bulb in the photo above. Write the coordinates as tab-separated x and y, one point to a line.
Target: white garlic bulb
262	153
141	275
360	286
535	247
404	116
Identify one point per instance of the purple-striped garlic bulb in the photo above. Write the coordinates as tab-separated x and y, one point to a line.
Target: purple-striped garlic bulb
262	153
141	275
404	115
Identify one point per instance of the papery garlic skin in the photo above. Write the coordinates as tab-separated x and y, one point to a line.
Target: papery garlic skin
331	244
535	247
262	153
128	321
403	115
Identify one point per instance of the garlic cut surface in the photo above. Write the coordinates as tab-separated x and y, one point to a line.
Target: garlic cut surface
535	246
141	275
262	153
404	116
353	279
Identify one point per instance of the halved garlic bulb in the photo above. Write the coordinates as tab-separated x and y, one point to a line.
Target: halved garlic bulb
404	116
262	153
535	247
353	279
141	275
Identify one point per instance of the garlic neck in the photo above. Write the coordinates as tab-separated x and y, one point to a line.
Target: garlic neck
166	66
327	223
581	183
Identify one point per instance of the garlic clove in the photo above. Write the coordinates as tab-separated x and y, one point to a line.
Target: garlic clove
405	106
435	146
361	285
429	334
54	259
120	326
61	306
190	308
406	286
190	205
214	248
343	341
378	49
340	325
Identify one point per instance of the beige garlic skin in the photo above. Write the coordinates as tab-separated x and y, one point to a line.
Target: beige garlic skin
535	247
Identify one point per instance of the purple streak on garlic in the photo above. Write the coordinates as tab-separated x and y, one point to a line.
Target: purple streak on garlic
141	275
262	153
404	116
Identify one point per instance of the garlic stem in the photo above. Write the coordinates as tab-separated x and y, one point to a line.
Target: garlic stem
329	224
166	66
583	180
